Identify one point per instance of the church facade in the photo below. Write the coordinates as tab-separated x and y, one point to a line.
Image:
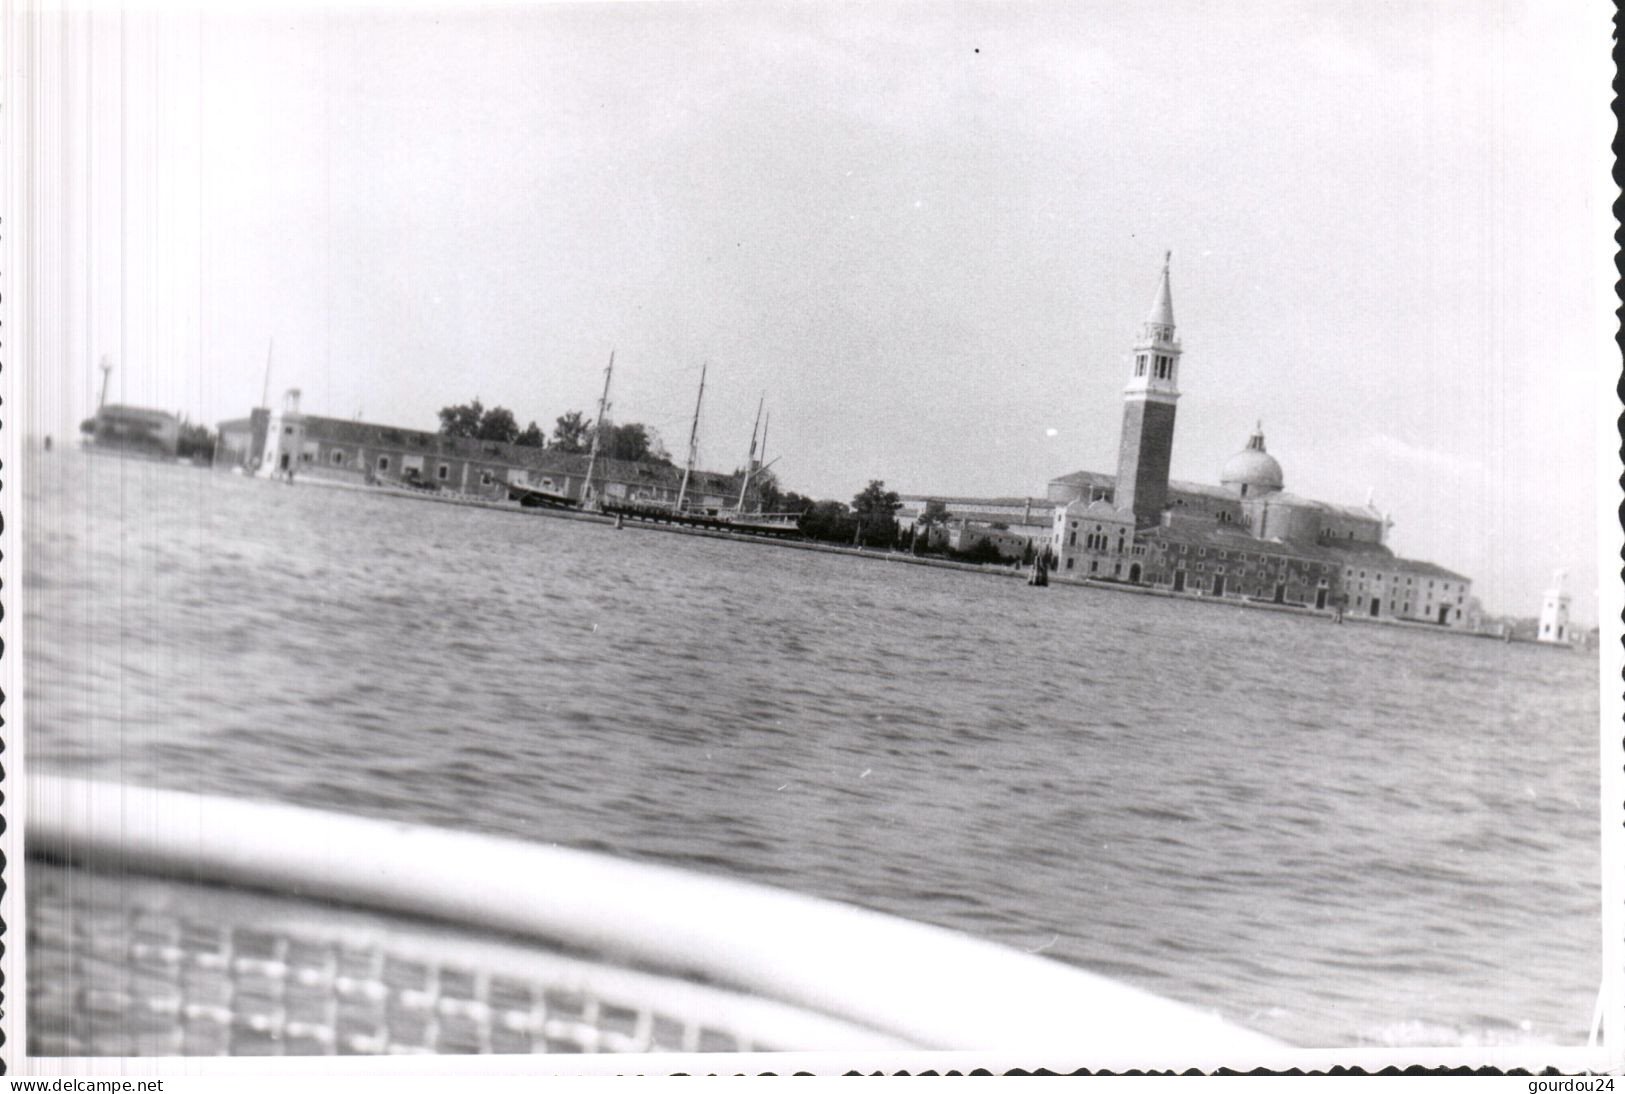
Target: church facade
1245	539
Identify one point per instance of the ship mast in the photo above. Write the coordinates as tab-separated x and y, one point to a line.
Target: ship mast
693	442
766	421
588	498
745	483
265	390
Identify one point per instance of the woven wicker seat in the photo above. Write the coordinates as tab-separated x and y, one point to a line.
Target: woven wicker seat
131	966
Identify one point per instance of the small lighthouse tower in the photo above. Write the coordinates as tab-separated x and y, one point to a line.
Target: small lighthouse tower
1147	443
1554	612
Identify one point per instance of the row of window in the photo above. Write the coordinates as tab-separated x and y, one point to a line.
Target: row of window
1241	556
1094	567
1201	567
1444	587
1240	586
384	463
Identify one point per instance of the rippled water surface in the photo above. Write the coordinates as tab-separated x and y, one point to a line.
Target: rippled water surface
1333	834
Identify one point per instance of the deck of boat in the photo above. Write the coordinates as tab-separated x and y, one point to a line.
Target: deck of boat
747	524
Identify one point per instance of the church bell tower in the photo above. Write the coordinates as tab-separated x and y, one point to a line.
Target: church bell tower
1147	443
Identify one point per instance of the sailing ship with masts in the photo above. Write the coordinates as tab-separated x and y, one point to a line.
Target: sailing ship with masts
684	511
687	509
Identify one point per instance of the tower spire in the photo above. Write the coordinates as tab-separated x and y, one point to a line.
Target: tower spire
1162	308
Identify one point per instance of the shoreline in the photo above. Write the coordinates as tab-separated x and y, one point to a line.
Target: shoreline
904	559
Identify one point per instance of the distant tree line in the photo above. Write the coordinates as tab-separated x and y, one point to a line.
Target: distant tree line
572	432
195	442
870	521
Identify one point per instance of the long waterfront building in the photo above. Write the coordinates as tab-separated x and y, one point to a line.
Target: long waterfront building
276	442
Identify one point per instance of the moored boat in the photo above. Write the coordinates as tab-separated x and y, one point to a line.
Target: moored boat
716	520
534	497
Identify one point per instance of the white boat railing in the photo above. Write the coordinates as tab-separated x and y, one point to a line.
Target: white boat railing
163	922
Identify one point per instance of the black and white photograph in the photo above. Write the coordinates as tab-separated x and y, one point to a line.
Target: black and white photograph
698	537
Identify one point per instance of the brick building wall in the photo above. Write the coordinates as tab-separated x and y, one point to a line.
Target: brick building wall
341	449
966	536
1143	456
1383	586
1239	567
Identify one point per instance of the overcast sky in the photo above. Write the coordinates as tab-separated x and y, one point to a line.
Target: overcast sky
926	232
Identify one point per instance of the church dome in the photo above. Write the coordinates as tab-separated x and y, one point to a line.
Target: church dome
1252	470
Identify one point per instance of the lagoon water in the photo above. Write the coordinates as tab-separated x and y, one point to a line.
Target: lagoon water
1336	835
